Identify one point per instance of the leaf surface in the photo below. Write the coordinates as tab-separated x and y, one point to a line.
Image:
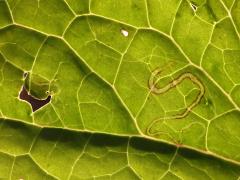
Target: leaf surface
139	89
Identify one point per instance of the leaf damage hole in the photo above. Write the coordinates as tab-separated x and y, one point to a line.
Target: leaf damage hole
25	75
124	32
35	103
194	7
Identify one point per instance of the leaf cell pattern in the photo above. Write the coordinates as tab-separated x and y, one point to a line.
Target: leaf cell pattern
101	103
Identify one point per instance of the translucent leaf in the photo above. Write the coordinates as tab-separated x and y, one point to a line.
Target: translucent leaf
135	89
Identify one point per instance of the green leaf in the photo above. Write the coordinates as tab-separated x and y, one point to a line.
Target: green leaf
140	89
45	153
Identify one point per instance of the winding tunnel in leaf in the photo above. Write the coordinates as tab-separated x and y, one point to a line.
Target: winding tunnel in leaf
107	112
